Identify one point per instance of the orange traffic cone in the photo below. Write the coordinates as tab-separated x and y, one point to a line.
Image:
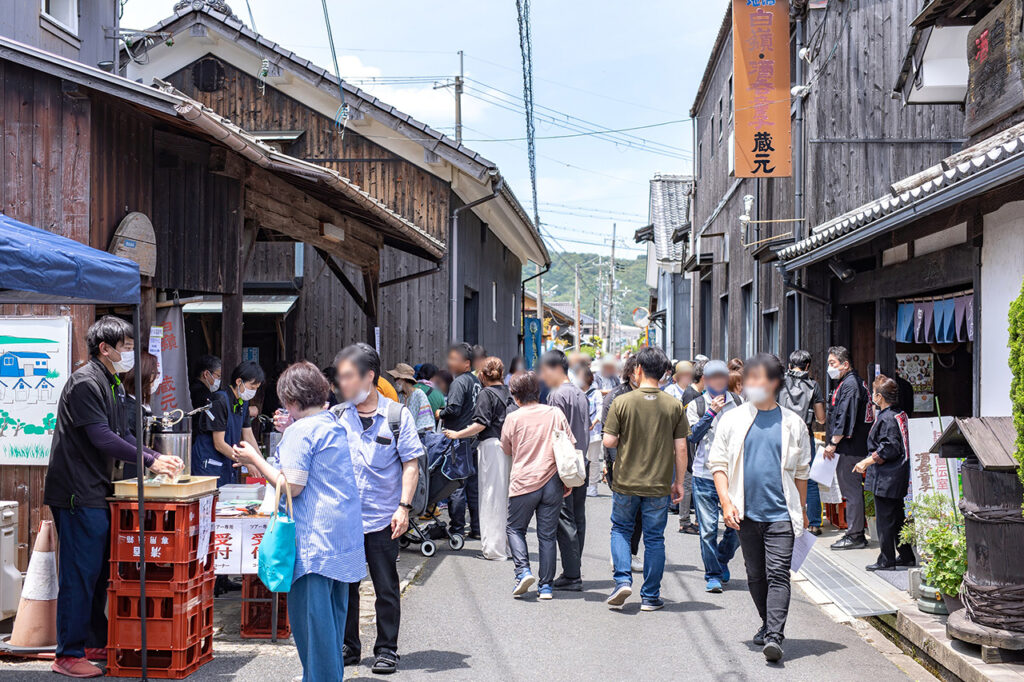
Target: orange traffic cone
35	626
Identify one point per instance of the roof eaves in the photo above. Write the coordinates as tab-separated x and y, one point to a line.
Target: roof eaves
723	31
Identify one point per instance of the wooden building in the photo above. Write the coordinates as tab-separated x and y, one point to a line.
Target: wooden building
952	230
851	137
82	149
428	178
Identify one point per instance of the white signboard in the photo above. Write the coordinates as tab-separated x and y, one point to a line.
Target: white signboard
235	541
930	473
35	362
919	370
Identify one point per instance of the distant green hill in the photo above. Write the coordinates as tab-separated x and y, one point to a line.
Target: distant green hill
630	275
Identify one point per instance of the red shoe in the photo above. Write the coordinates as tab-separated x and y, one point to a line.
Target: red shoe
96	654
75	667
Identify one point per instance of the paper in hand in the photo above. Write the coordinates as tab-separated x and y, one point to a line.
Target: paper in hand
823	470
801	548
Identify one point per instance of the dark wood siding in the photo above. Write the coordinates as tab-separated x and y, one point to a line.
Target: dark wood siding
45	147
855	146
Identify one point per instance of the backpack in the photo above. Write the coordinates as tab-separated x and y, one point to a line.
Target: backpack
797	394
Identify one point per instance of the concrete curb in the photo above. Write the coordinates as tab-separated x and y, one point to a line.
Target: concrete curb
412	574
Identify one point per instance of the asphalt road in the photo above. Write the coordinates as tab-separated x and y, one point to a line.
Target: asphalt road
460	622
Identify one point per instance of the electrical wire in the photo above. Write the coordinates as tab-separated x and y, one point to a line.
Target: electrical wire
526	52
341	117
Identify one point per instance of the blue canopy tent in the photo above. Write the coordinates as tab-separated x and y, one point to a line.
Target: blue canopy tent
41	267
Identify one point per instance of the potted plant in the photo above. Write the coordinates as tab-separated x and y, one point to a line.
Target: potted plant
936	529
870	517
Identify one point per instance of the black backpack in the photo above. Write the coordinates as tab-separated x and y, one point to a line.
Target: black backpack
797	394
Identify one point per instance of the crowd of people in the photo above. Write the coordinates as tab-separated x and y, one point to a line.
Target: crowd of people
712	440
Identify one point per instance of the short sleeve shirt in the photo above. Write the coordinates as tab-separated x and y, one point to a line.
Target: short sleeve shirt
574	405
647	422
492	406
377	459
80	475
222	405
329	532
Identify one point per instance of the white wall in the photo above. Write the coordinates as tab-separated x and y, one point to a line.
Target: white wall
1002	271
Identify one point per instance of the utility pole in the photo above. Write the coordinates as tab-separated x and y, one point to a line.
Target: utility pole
459	80
611	293
576	306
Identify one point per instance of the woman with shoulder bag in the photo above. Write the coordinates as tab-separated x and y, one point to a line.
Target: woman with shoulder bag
535	488
492	405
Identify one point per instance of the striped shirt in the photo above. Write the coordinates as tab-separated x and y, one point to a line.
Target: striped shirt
377	460
314	453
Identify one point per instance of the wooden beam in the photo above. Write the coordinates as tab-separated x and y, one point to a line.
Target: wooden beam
950	267
407	278
231	300
225	162
343	278
371	284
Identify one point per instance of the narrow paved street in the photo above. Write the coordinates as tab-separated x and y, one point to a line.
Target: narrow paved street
460	622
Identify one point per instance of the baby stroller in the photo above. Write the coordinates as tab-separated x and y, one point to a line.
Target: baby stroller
442	472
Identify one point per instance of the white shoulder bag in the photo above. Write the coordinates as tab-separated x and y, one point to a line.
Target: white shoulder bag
571	467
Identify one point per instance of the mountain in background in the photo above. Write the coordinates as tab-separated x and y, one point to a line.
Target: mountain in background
630	282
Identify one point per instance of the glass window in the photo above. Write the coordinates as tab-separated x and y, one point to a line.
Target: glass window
771	332
723	326
64	12
747	294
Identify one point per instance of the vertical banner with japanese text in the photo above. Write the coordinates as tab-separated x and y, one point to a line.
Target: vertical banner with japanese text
760	45
172	393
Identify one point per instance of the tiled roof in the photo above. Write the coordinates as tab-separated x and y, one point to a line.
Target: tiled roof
985	158
669	210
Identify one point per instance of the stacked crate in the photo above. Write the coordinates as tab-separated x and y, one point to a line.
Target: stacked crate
256	615
179	590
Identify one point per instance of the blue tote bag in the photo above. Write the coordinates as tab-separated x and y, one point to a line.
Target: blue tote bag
275	557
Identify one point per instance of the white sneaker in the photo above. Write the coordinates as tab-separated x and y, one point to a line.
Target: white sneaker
592	491
636	564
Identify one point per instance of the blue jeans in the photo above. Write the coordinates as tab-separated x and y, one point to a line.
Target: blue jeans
653	517
716	555
82	576
466	497
317	607
813	499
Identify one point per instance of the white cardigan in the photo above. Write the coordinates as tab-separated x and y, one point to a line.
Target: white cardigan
727	456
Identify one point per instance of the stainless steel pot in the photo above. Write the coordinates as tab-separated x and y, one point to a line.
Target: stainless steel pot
177	444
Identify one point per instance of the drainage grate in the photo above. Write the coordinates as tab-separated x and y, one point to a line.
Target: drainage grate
844	589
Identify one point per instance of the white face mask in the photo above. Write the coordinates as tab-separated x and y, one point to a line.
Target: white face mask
214	385
247	394
125	363
833	372
361	397
756	394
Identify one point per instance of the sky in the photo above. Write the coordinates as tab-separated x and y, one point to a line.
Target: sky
611	65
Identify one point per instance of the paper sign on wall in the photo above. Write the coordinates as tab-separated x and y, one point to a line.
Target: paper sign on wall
919	370
35	362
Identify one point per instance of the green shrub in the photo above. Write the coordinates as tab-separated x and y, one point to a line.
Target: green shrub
938	533
1016	344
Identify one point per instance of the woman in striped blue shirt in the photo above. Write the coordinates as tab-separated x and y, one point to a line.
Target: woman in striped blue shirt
329	555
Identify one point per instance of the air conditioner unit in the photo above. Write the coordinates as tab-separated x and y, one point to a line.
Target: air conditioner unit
10	576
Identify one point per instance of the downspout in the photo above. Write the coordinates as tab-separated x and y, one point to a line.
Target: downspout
799	227
497	182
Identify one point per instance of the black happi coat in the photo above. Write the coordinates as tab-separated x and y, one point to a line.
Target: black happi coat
849	415
888	439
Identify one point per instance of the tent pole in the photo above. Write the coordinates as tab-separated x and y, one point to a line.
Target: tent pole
140	468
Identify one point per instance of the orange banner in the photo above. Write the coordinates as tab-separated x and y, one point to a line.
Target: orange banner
760	52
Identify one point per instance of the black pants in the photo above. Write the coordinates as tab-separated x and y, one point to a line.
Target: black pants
84	550
381	555
546	503
767	554
890	519
468	496
851	485
572	530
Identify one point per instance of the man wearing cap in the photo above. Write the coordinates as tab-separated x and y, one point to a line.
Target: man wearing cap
682	377
704	412
413	398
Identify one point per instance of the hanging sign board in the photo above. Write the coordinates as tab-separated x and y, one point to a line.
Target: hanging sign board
532	333
763	145
35	363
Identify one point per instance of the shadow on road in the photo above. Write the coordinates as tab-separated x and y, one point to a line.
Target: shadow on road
433	661
800	648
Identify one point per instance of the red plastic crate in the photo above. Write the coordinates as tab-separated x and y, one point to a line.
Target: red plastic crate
172	531
161	663
256	615
836	514
176	619
175	576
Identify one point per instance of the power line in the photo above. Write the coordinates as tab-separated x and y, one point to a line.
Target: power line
587	213
526	52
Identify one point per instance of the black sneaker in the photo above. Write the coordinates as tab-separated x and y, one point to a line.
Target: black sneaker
879	566
349	656
850	542
906	562
772	650
567	584
386	663
759	635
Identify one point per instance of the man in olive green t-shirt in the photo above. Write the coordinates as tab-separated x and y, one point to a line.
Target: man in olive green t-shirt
649	428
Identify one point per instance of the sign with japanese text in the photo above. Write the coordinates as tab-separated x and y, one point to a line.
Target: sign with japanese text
35	362
930	473
172	393
761	97
995	86
532	338
235	542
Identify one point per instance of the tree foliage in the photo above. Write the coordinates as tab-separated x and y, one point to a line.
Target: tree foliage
1016	344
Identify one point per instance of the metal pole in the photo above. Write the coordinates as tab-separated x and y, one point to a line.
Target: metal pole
140	468
611	293
576	305
458	100
799	228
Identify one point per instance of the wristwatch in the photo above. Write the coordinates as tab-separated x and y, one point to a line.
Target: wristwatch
405	505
